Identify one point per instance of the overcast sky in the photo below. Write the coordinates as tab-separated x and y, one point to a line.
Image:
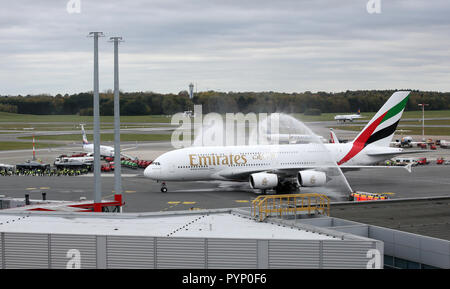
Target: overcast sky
226	45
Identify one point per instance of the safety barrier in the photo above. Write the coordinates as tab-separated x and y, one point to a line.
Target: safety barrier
264	206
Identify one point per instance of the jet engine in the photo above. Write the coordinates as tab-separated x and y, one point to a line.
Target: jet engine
263	181
311	178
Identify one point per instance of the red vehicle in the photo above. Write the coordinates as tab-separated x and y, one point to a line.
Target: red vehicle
433	147
107	167
440	161
78	155
422	161
422	145
109	159
143	164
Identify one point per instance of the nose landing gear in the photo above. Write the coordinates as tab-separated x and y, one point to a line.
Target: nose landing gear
163	187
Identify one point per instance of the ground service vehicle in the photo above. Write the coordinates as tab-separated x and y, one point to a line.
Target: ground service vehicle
422	161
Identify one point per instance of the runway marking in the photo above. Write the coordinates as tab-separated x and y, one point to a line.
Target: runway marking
130	192
44	188
242	201
173	203
189	203
29	189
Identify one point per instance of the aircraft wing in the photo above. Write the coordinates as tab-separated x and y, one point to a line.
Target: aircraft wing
292	172
75	150
128	148
281	172
128	156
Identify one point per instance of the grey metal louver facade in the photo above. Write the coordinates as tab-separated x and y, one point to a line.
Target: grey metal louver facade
130	252
180	253
345	254
62	244
232	254
2	251
28	250
294	254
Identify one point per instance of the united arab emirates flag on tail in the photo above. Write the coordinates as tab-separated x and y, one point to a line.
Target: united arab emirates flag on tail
380	129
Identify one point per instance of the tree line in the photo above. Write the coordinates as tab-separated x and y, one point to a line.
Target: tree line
145	103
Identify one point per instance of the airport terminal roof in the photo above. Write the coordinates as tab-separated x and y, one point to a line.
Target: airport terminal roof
423	216
207	225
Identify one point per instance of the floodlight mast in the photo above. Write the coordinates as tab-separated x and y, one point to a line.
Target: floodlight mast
97	171
423	119
117	163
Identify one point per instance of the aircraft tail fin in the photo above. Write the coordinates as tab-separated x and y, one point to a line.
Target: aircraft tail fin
333	137
381	128
85	141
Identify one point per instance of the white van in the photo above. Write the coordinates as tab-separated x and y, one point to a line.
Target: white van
404	161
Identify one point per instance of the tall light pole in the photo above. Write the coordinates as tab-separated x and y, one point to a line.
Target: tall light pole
117	164
423	119
34	148
97	171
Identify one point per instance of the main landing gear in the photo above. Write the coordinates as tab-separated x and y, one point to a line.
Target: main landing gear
163	187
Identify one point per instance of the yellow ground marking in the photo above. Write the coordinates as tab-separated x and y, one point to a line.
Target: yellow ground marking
242	201
29	189
128	192
44	188
189	203
172	205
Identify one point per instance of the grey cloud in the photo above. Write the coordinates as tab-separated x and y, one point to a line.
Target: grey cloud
226	45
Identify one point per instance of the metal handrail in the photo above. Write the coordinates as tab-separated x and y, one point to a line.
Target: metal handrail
264	206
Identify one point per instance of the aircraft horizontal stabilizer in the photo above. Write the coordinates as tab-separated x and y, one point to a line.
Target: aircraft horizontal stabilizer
381	153
356	168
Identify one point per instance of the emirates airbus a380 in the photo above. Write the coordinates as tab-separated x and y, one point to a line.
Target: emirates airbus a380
268	166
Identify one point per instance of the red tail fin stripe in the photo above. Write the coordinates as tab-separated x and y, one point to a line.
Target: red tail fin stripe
359	143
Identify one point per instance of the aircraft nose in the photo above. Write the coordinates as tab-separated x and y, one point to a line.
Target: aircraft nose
151	173
148	172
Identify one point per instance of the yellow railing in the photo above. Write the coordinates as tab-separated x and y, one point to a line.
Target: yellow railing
267	205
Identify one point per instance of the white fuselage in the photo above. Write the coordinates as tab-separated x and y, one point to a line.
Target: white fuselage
221	163
75	159
105	151
349	117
